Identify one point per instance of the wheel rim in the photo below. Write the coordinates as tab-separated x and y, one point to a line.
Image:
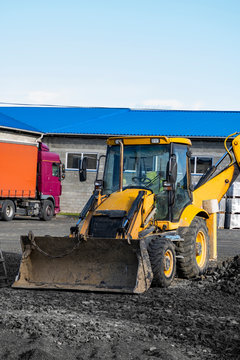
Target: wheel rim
168	263
201	249
9	211
49	210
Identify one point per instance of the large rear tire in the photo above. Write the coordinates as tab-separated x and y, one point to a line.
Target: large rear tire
194	249
163	260
8	210
47	211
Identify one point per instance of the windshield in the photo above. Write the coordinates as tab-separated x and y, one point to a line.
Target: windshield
144	166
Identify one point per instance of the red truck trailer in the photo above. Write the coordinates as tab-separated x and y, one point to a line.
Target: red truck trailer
30	180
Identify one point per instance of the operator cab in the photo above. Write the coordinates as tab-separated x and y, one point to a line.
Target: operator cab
147	164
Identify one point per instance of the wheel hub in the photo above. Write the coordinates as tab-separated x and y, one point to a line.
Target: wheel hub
9	211
198	249
167	264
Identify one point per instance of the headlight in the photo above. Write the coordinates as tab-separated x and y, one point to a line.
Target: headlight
155	140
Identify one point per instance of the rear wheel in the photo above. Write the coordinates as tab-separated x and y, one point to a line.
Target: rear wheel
47	211
194	249
163	260
8	210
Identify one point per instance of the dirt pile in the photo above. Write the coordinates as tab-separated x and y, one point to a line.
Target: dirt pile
226	276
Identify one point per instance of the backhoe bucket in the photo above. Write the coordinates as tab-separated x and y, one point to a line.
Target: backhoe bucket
98	264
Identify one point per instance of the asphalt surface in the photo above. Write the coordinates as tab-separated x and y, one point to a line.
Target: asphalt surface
12	230
228	240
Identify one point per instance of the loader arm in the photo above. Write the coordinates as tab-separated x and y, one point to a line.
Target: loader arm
122	215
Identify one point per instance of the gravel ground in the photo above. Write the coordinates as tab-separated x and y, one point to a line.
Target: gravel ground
197	319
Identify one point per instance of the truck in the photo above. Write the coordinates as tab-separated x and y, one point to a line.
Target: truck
30	179
143	224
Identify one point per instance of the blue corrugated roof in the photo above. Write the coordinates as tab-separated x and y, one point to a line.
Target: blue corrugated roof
10	122
122	121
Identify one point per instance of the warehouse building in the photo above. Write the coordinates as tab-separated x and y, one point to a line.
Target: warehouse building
75	132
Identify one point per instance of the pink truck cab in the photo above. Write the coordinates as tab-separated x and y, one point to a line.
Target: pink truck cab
30	180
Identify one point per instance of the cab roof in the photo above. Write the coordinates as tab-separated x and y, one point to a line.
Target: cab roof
148	140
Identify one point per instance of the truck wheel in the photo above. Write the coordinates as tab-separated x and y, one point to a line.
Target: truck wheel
8	210
163	260
47	211
194	249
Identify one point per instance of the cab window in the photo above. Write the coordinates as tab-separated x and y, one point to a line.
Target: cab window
182	195
55	170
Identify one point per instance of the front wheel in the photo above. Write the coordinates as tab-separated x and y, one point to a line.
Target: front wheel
47	211
194	249
163	260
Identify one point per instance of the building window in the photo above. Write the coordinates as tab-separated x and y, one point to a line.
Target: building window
72	160
200	164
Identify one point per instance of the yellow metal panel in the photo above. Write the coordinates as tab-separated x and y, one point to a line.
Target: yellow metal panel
120	200
146	140
181	141
189	214
166	225
138	140
86	223
138	220
148	203
135	225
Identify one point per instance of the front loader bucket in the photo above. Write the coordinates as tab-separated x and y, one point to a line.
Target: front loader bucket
98	264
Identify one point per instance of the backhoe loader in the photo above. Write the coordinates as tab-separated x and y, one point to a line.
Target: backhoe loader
143	223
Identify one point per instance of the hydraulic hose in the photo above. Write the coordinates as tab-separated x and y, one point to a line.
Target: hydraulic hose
225	144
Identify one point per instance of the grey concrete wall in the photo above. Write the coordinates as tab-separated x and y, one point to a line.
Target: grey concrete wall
209	148
75	193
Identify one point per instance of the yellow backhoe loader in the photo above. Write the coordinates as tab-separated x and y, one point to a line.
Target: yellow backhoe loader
143	222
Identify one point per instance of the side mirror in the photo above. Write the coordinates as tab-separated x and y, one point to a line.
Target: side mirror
99	182
83	169
172	169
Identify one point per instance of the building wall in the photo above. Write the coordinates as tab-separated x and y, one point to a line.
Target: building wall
76	194
14	136
208	148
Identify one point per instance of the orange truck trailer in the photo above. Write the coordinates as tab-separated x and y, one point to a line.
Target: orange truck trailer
30	180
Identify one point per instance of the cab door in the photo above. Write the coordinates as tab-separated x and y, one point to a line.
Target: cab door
181	191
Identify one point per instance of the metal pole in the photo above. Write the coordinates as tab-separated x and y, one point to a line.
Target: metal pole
120	165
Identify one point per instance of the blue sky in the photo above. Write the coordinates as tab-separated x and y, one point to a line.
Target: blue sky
149	54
